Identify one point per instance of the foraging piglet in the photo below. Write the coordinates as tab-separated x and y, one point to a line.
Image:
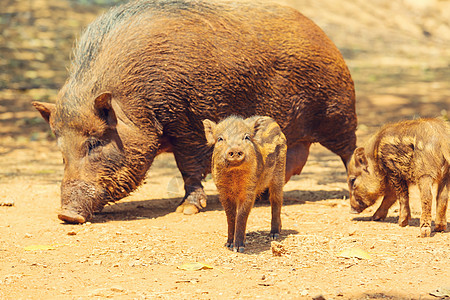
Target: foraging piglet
249	157
398	155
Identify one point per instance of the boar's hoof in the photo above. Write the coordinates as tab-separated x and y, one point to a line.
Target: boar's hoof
378	217
187	209
71	217
402	222
193	203
425	231
229	245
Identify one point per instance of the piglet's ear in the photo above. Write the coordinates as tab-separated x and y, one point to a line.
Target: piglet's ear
360	157
46	109
104	109
258	122
209	131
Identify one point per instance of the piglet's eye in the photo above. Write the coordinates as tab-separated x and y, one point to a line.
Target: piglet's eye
352	181
220	139
247	137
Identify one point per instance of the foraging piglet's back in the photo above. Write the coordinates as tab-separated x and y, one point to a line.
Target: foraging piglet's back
409	152
249	157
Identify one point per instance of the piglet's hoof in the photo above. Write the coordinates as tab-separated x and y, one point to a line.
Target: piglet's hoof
240	249
71	217
274	235
425	231
187	209
440	227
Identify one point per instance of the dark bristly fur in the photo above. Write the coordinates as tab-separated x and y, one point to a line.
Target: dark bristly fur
398	155
145	75
249	157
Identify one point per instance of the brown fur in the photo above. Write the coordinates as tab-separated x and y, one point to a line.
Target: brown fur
249	157
398	155
145	75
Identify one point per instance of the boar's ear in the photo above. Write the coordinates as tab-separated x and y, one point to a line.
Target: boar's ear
360	157
46	109
209	131
104	109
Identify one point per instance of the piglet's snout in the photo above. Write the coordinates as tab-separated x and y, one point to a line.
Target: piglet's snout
235	155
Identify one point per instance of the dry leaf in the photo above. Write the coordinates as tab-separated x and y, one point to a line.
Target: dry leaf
194	266
354	252
441	292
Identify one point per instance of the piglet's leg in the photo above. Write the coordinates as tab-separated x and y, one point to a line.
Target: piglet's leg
243	211
230	210
276	195
425	183
401	189
388	200
276	201
441	206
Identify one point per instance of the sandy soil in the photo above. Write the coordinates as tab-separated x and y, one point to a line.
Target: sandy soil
398	53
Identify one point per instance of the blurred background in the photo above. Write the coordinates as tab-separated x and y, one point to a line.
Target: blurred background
398	52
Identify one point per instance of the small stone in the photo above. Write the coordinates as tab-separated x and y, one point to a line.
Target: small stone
117	289
72	233
7	202
278	249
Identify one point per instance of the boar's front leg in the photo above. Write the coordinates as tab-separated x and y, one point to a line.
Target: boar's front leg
192	165
389	199
425	184
441	206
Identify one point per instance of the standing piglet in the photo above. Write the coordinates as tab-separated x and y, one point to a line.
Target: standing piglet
398	155
249	157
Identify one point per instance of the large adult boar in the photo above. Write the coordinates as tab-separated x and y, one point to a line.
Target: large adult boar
397	156
145	75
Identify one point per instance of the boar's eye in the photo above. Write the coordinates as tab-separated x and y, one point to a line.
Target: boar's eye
93	144
247	137
220	139
352	181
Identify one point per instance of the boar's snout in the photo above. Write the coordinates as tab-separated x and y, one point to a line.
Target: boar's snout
79	200
235	156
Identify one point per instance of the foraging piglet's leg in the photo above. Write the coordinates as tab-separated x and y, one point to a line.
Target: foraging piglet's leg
441	206
426	197
388	200
401	189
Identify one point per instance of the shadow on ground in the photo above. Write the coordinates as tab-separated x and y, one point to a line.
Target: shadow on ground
154	208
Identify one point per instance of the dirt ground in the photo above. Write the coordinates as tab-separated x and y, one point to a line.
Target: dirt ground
399	56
